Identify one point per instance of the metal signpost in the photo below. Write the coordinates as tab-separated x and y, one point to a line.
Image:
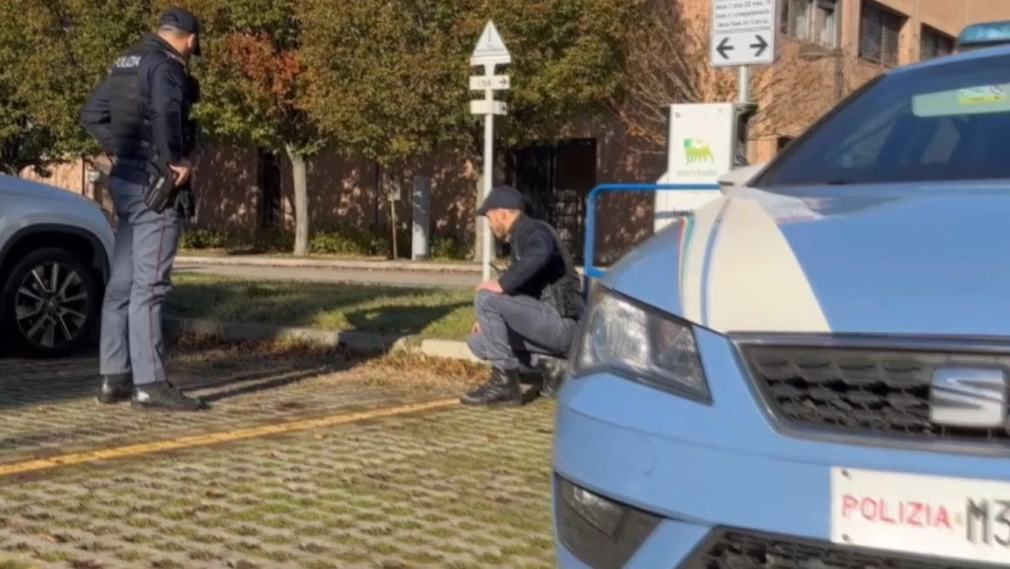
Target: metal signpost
743	34
490	51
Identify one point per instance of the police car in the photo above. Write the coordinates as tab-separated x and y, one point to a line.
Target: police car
812	371
55	248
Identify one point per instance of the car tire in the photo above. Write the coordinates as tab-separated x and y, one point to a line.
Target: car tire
51	303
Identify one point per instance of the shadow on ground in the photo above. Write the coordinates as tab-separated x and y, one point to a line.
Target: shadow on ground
194	364
47	408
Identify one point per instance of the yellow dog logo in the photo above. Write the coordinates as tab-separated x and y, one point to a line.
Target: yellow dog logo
697	150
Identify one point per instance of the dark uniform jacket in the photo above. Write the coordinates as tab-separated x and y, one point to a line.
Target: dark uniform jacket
143	104
542	268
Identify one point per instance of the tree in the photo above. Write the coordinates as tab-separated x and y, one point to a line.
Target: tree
252	84
388	80
51	55
23	143
66	48
668	63
805	83
567	59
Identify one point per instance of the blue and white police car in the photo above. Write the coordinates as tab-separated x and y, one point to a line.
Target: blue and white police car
813	370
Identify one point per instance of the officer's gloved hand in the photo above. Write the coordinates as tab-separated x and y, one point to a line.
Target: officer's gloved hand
185	204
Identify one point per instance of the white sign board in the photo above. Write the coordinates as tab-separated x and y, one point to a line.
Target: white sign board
700	150
493	82
743	32
484	107
490	48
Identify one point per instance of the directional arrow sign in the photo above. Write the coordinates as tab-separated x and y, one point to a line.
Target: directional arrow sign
724	48
490	48
493	83
482	107
743	32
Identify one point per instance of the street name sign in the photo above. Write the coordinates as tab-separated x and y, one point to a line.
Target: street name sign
742	32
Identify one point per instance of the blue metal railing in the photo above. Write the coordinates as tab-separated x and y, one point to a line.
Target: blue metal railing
589	251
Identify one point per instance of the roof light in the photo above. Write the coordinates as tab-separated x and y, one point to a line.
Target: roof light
984	34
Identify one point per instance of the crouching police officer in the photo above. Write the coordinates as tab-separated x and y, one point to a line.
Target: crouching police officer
529	316
140	115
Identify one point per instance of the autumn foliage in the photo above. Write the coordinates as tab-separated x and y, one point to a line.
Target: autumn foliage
385	81
264	71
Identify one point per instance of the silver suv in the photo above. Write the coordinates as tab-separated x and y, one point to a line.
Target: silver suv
55	248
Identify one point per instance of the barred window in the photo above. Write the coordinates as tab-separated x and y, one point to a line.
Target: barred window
934	43
814	21
879	33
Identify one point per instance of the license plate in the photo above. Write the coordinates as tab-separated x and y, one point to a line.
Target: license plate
956	518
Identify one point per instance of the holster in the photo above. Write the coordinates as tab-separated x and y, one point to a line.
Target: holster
566	298
161	192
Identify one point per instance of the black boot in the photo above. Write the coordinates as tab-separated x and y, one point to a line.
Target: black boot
502	390
553	371
115	388
163	396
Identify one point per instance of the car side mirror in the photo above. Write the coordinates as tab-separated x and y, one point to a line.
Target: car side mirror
738	177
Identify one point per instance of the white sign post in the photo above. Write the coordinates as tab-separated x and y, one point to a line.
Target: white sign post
490	51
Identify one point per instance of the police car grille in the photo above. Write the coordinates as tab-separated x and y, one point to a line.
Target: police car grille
733	549
861	390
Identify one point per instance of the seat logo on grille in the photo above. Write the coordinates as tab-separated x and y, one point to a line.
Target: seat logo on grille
968	397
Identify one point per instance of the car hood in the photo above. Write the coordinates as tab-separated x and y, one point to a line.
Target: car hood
18	187
915	259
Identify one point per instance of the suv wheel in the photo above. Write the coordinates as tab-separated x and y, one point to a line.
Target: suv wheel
51	302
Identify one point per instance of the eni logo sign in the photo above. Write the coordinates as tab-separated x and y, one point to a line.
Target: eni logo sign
697	151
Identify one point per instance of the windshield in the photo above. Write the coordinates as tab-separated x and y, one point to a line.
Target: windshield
941	122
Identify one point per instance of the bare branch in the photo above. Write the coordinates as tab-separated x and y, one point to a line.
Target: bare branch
668	62
806	82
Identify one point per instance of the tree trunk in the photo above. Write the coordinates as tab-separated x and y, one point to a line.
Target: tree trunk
298	175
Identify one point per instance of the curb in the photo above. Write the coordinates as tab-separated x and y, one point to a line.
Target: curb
399	266
365	343
377	266
451	349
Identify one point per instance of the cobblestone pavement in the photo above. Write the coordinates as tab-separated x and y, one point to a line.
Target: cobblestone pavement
48	408
457	488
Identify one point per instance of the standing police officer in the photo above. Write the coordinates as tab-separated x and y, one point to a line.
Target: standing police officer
140	115
529	316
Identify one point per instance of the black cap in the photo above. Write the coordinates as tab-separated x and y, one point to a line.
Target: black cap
183	20
503	197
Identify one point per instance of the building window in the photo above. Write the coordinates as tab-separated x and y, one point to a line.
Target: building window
814	21
879	33
934	43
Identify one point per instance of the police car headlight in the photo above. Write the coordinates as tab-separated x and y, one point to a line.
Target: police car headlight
641	344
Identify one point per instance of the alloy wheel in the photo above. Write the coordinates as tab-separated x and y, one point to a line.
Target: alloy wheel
51	305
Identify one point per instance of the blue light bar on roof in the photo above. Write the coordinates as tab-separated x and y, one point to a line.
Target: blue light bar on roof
984	34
